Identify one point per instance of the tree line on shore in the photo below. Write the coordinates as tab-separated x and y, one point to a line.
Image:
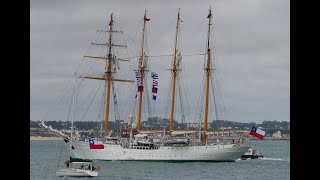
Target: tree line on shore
156	123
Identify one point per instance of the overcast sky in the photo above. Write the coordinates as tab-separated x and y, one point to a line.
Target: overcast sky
251	49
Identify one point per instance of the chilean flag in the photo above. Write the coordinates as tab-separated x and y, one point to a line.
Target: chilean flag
95	145
257	132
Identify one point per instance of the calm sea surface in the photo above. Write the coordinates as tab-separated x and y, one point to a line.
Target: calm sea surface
44	161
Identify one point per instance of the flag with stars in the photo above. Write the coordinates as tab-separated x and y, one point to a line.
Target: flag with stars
259	133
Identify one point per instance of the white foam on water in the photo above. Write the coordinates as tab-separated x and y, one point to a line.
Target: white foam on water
272	159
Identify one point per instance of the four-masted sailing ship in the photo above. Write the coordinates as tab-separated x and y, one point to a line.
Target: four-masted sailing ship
164	146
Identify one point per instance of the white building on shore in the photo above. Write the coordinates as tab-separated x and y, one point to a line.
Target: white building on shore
276	134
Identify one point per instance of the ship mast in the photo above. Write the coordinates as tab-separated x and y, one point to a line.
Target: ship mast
208	73
142	69
108	70
174	72
108	75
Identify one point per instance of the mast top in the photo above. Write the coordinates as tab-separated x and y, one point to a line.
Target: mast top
209	16
111	20
209	23
145	16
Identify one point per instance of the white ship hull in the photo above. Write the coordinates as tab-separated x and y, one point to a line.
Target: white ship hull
112	152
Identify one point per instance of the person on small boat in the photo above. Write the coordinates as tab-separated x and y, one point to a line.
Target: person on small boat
67	163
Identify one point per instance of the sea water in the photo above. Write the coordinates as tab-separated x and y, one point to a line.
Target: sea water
48	156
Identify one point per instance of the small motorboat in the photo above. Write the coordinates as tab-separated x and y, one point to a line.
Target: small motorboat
252	154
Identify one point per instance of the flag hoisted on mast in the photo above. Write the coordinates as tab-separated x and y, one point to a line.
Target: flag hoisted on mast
155	84
139	84
138	78
146	19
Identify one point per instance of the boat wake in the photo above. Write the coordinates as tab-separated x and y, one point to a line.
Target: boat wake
265	159
239	159
272	159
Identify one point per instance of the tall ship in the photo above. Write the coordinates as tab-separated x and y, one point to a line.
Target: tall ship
134	143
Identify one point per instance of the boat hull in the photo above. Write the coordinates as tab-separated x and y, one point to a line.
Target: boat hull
244	157
72	172
210	153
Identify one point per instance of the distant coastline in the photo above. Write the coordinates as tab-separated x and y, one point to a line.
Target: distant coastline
41	138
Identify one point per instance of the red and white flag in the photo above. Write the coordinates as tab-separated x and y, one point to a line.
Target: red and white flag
146	19
257	132
95	144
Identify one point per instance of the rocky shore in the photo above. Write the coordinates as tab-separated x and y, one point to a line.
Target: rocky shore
38	134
